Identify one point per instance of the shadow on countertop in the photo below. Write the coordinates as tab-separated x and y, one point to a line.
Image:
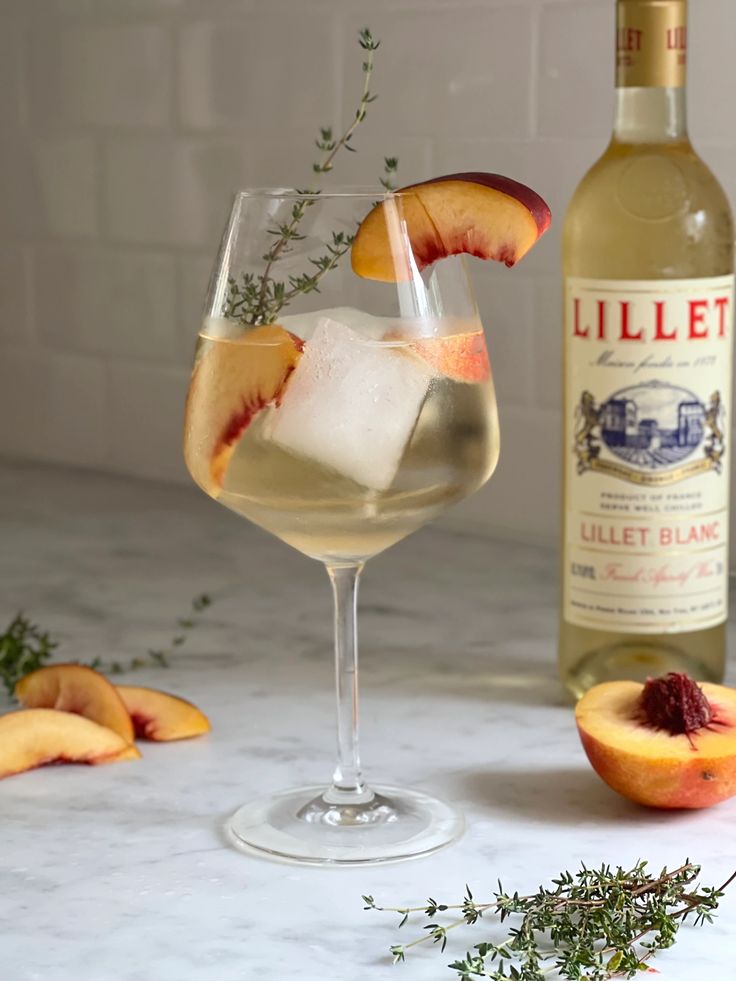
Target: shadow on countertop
559	795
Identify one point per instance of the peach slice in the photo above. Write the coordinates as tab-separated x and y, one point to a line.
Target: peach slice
484	215
162	717
232	381
667	744
75	688
34	737
462	357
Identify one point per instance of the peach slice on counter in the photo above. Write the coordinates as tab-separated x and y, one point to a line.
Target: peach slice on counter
232	381
485	215
162	717
462	357
34	737
669	743
75	688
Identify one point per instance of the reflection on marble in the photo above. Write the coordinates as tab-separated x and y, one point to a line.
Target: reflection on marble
120	873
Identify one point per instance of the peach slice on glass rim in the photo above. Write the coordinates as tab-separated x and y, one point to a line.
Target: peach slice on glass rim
670	743
232	381
78	689
485	215
161	717
34	737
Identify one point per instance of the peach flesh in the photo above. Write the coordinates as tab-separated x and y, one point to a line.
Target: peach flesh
537	206
652	766
78	689
231	383
31	738
162	717
485	215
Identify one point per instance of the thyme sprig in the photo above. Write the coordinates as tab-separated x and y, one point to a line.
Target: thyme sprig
160	657
24	647
248	295
258	298
330	146
596	924
390	167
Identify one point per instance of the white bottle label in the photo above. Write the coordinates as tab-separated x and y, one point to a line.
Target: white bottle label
648	392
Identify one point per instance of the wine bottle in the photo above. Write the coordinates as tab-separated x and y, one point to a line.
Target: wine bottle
648	267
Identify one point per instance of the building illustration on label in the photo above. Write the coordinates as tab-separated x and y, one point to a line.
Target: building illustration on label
652	427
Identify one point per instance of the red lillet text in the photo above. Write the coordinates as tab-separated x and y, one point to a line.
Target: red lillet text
617	320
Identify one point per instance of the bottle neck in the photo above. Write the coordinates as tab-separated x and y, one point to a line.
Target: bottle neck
651	58
650	115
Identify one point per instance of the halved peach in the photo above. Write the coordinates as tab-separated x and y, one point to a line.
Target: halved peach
34	737
232	381
641	755
162	717
75	688
485	215
462	357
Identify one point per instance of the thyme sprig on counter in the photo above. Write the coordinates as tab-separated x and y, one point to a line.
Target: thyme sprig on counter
24	647
258	298
595	924
160	657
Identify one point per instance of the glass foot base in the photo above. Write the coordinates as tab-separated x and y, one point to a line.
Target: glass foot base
329	827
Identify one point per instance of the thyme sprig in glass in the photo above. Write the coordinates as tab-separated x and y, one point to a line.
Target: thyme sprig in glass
258	298
595	924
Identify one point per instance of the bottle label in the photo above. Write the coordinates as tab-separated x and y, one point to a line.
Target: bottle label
651	43
647	418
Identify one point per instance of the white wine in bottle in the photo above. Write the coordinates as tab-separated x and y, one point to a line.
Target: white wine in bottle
648	266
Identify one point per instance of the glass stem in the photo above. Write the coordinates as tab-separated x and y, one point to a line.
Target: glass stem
347	781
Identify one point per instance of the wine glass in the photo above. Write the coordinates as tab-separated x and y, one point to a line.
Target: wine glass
340	414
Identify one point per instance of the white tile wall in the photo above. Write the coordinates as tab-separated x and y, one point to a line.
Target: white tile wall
99	74
127	124
15	325
244	73
146	403
66	170
116	303
171	191
575	43
54	406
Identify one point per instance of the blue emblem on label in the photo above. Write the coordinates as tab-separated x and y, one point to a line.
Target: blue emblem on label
652	425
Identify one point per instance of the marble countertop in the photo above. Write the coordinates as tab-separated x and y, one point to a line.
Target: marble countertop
121	873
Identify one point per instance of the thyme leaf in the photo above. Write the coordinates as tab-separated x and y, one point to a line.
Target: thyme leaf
258	299
24	647
595	924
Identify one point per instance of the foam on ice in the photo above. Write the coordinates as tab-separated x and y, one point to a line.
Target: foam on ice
352	404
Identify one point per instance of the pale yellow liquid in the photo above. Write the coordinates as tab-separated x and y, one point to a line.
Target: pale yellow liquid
665	218
451	452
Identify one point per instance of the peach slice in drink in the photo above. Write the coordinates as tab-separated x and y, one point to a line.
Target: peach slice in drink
462	357
232	382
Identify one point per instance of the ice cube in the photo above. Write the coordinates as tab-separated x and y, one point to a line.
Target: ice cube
352	404
365	324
